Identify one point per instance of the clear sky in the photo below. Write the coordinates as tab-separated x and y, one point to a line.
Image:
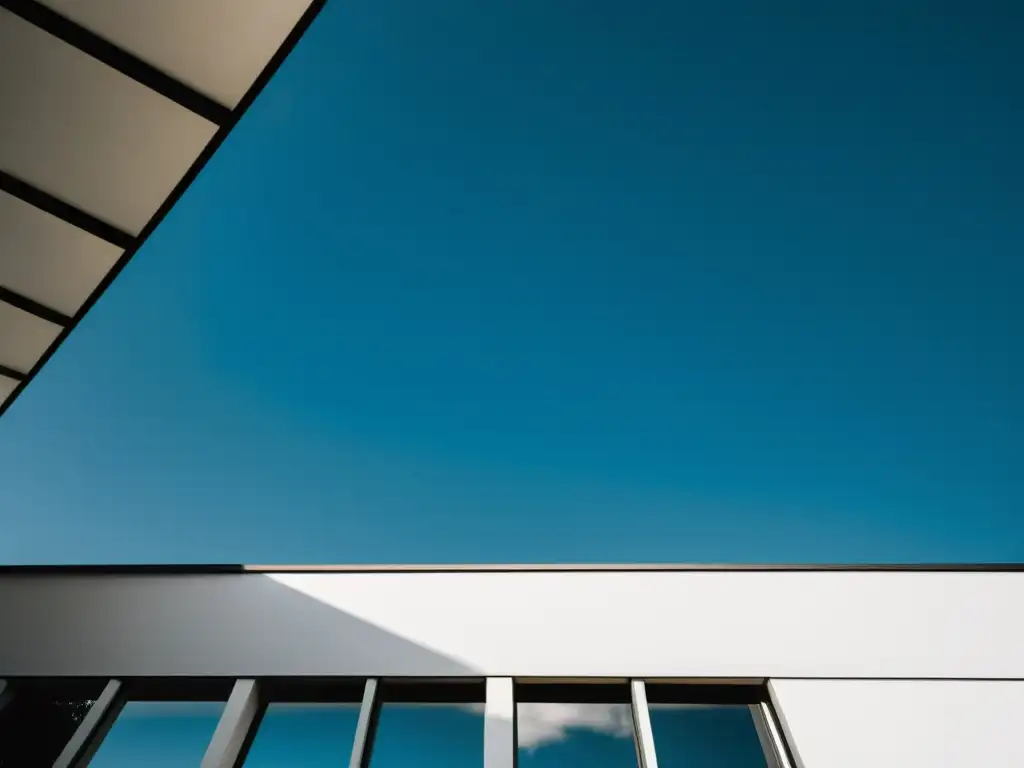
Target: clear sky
567	280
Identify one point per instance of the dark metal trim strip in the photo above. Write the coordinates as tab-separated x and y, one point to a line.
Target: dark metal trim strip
171	569
33	307
10	373
66	212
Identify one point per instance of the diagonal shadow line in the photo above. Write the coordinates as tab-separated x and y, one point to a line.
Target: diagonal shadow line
180	626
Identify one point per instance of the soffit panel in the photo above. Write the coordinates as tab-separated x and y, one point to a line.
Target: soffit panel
6	388
47	259
24	338
88	135
218	47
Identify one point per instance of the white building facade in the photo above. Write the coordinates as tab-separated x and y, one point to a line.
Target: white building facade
816	667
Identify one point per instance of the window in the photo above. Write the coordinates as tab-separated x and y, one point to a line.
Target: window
163	725
705	726
38	718
159	734
306	734
427	724
705	736
306	725
574	726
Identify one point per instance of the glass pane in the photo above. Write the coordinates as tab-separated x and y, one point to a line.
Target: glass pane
575	735
451	735
702	736
307	735
35	725
159	734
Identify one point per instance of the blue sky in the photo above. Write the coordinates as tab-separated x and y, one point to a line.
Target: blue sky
568	281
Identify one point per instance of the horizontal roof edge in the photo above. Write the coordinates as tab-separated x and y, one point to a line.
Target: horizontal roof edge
205	569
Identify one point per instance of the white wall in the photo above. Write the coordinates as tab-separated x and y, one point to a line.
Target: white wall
903	724
636	624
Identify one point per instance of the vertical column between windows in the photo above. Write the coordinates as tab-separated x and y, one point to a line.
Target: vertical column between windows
234	730
643	734
94	727
780	740
366	728
500	748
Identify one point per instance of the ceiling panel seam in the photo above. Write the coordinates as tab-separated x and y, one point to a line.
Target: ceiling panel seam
33	307
117	58
66	212
10	373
